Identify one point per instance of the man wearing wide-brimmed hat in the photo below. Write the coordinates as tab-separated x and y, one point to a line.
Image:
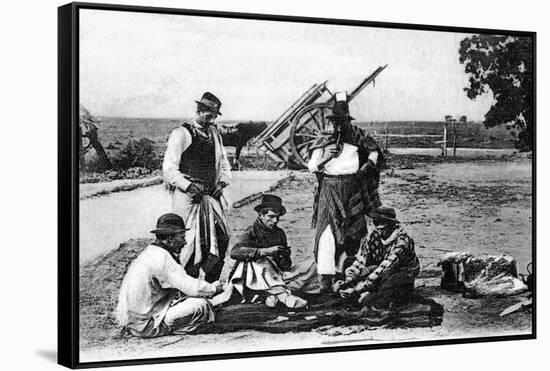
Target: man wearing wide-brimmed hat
196	171
387	265
264	268
157	296
347	164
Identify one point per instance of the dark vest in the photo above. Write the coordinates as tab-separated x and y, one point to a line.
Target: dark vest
199	159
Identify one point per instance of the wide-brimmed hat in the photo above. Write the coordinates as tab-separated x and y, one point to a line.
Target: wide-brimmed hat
169	224
272	202
340	109
384	213
211	101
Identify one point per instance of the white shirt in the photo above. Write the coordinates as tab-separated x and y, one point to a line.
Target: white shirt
145	287
180	139
346	163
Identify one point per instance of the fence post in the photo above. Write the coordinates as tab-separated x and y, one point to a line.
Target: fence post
444	146
385	136
454	137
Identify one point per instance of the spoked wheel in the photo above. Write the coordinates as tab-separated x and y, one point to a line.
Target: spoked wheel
309	124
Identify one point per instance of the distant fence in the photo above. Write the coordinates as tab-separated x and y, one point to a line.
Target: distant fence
443	136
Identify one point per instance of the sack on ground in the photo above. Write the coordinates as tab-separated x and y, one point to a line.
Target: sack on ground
483	276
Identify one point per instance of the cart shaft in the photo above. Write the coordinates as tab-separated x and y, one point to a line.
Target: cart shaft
366	82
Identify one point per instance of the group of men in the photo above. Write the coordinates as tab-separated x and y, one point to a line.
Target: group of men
174	284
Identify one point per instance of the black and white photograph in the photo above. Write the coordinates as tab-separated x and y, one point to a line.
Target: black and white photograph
252	184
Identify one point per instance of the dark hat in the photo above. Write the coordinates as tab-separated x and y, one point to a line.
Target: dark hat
384	213
340	109
211	101
169	224
273	202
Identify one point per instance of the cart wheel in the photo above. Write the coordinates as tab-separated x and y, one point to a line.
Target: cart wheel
309	124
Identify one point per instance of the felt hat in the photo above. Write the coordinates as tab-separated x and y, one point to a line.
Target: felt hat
340	109
169	224
211	101
384	213
273	202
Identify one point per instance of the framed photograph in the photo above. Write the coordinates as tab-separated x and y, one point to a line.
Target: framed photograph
239	185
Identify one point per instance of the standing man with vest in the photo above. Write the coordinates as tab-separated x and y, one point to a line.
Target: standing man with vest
196	171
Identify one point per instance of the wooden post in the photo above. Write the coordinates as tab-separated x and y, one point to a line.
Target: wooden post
94	141
454	137
385	136
444	146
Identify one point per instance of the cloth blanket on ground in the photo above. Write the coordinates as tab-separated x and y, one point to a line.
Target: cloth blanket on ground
326	310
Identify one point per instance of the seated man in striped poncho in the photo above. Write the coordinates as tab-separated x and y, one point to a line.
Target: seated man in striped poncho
387	265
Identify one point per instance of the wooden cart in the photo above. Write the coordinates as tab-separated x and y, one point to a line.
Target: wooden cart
287	140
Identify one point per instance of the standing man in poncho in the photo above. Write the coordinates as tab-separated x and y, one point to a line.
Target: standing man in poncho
347	164
196	171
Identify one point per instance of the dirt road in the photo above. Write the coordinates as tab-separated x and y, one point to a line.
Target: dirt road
481	207
108	220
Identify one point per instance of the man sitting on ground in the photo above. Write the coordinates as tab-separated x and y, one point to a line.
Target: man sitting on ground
157	296
387	265
264	267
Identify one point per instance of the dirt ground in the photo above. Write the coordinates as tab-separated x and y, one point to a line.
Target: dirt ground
482	206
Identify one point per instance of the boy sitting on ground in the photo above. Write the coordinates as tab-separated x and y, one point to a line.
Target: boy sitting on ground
263	265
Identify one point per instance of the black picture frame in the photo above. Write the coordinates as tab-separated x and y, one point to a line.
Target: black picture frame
68	182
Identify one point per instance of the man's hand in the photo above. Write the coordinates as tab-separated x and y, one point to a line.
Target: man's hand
227	291
223	296
370	165
347	293
195	190
270	251
339	285
353	271
219	286
334	152
366	168
217	192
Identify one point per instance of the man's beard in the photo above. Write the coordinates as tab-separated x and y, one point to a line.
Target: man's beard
385	231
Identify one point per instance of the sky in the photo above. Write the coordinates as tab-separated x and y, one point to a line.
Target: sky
152	65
